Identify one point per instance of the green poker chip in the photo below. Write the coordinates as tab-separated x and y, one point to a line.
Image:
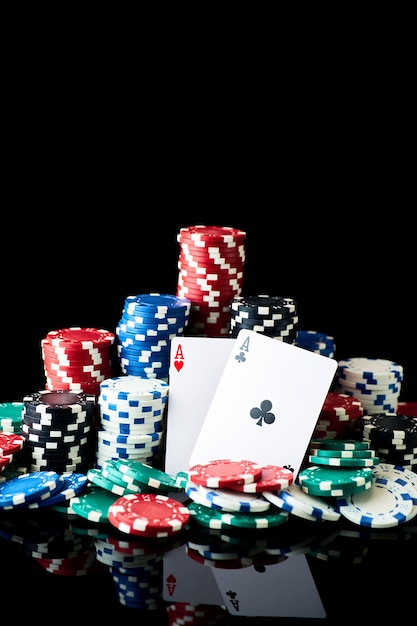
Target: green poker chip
321	480
148	476
95	476
338	444
343	462
93	504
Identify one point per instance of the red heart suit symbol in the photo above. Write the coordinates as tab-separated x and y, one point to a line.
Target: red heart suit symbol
178	365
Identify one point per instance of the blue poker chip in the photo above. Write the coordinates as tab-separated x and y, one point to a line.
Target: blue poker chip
148	302
71	483
30	487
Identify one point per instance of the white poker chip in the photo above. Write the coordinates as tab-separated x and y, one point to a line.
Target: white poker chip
384	505
227	501
294	500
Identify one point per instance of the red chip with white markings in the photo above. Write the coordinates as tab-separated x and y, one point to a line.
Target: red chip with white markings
225	473
273	478
10	443
148	515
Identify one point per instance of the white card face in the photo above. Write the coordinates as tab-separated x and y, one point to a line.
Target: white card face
266	404
197	364
283	590
185	580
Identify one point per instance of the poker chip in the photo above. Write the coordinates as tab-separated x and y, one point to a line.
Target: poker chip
294	500
71	484
210	274
93	503
315	341
227	500
10	443
339	461
386	504
144	332
225	473
274	316
26	488
77	358
375	382
273	478
148	514
147	476
58	427
10	416
338	444
334	481
132	389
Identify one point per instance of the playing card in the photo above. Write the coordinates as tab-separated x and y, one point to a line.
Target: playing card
185	580
286	589
266	404
196	367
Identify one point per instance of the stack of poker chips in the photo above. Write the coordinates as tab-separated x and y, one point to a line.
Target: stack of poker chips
393	436
145	329
59	430
375	382
364	490
131	419
274	316
11	416
77	359
317	342
339	417
211	264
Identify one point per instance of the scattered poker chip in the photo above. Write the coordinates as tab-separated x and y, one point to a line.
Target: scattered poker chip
26	488
386	504
320	480
273	478
148	514
400	475
93	503
225	473
148	476
71	484
227	500
294	500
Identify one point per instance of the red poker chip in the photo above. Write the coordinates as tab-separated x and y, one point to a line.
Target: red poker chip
224	473
5	460
211	233
148	514
341	403
273	478
10	443
78	335
407	408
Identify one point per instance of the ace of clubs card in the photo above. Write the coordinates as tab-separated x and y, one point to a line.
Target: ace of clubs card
266	404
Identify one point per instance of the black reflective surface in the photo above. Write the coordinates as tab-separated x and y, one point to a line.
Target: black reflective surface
321	571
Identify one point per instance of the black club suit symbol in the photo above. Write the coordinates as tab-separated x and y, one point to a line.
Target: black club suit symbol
262	413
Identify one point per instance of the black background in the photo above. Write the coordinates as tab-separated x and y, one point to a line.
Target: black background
305	145
351	273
